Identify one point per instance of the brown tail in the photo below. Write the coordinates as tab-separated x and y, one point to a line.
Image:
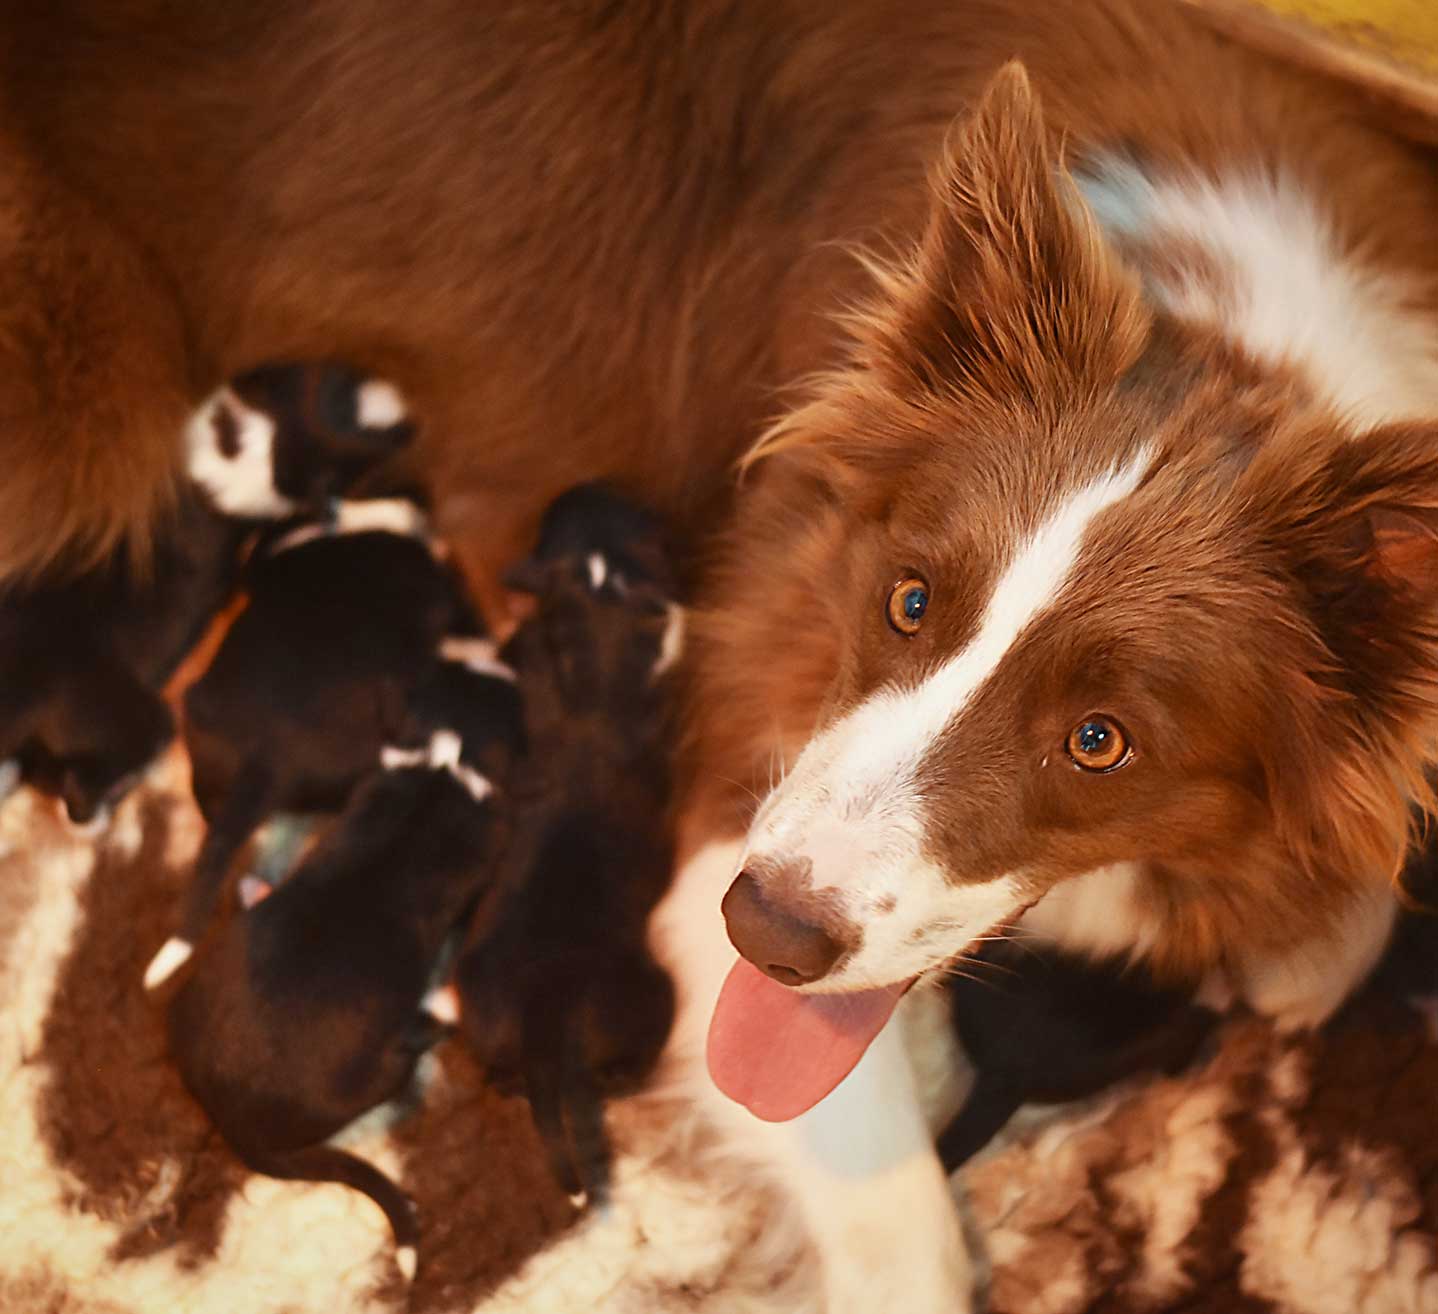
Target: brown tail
93	393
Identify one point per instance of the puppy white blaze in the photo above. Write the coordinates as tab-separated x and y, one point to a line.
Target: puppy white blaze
174	953
444	749
379	405
385	515
478	655
392	515
442	753
671	646
851	805
241	484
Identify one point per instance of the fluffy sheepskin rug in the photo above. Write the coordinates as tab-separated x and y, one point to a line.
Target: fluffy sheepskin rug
1278	1175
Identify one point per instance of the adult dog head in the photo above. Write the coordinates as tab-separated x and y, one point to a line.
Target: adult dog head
1050	578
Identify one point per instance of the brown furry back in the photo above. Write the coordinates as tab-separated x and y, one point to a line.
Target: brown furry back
92	388
588	240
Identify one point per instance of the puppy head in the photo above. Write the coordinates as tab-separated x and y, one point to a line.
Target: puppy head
598	656
92	756
606	543
282	438
1044	582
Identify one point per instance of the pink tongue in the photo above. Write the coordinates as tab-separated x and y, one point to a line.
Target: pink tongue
778	1052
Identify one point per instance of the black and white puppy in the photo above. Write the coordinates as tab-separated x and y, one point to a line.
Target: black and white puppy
304	1012
311	681
288	438
594	534
558	991
83	664
1043	1027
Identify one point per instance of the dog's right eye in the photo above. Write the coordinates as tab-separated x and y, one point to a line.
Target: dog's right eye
1098	744
908	601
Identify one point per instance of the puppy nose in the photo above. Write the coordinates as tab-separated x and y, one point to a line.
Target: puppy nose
781	944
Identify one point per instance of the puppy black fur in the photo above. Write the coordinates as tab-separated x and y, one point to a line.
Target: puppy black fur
305	1012
591	521
83	664
311	681
1044	1027
560	995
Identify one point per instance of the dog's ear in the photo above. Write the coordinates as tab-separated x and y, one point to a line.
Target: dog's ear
1011	284
1360	526
1009	299
1353	525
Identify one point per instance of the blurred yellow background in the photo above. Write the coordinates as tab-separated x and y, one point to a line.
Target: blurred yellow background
1404	29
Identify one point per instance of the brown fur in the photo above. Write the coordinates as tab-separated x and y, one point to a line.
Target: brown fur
599	241
587	240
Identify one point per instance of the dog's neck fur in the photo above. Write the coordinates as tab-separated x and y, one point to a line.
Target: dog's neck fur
1256	259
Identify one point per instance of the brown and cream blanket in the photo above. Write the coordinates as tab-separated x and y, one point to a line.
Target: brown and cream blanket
1294	1175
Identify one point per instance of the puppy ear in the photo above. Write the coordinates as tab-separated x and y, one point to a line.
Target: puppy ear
1011	282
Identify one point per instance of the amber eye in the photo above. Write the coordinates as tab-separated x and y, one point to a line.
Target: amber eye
908	601
1098	744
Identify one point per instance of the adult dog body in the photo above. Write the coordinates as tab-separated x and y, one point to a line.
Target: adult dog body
1106	403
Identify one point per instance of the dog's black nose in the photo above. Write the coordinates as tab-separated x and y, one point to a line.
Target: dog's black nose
782	943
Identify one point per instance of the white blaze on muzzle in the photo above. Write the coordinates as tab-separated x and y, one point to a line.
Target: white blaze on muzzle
852	806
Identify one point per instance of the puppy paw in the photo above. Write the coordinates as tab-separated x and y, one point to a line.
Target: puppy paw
253	890
442	1004
94	826
406	1259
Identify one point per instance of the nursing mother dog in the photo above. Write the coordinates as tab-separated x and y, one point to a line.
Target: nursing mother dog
1087	575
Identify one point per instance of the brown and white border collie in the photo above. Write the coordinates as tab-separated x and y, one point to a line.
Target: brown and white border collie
1090	579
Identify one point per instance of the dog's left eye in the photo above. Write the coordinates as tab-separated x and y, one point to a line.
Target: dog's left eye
1098	744
908	601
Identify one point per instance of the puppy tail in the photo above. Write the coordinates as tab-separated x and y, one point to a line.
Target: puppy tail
325	1163
985	1113
566	1107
